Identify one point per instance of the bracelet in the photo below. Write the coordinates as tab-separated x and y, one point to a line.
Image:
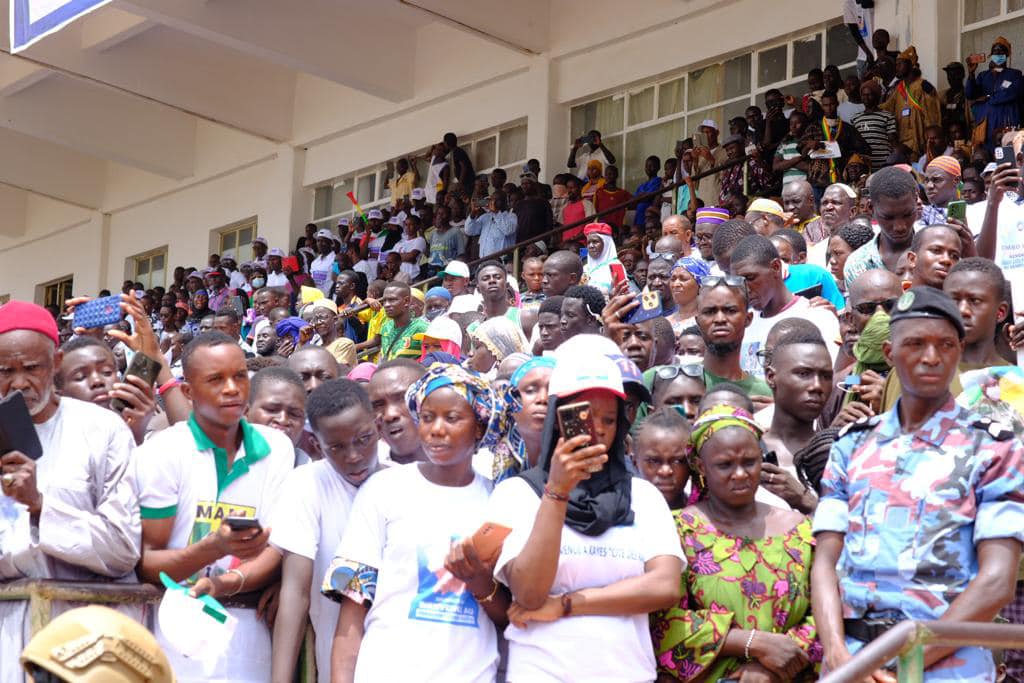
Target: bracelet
241	576
555	495
167	386
494	591
746	648
566	605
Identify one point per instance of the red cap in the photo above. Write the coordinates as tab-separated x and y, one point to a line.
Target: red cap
22	315
599	228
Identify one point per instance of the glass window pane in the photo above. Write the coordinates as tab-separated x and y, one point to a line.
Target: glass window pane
614	143
641	106
158	262
976	10
157	278
1014	5
771	65
640	144
695	118
339	197
227	241
705	86
731	110
603	115
141	266
981	40
513	146
244	253
322	201
839	45
366	187
244	236
483	153
670	96
806	55
737	76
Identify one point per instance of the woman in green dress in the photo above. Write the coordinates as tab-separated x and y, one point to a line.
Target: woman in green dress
745	612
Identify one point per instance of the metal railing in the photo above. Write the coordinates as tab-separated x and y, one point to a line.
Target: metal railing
907	641
43	594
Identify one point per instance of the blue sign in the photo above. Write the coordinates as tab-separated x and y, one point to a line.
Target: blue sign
31	20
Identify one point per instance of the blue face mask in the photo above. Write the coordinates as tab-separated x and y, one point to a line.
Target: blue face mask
998	60
258	282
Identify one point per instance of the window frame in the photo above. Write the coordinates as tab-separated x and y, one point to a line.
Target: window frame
217	239
66	282
133	267
1003	16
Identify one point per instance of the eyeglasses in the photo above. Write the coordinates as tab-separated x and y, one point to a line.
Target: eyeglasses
735	281
869	307
670	372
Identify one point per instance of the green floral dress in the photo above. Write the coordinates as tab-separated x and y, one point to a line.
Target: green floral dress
734	583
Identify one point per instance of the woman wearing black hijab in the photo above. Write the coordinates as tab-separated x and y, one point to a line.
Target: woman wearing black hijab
592	550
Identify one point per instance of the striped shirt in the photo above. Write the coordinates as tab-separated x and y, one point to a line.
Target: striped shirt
877	128
789	149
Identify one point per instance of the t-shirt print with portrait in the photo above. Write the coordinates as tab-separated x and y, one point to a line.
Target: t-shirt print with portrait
209	516
440	596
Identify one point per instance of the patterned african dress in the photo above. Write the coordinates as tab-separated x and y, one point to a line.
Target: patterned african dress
730	582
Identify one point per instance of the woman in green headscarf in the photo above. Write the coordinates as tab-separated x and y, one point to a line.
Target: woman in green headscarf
746	600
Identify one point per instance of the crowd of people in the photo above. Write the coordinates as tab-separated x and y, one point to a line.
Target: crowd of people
720	431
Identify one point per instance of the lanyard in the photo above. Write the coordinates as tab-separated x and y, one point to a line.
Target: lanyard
902	89
833	174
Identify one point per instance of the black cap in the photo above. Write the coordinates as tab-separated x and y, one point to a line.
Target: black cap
927	302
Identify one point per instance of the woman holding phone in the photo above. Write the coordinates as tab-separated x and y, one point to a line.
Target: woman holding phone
593	549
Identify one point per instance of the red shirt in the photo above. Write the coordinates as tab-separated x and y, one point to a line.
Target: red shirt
605	199
573	212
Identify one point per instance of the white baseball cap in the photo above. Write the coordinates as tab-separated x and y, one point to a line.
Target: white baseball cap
455	269
228	255
375	214
419	193
709	123
443	327
584	371
343	222
325	234
260	240
276	252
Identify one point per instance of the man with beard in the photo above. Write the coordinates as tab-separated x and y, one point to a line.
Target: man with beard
387	390
265	339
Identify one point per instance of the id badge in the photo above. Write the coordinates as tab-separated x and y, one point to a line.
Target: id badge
1006	84
905	113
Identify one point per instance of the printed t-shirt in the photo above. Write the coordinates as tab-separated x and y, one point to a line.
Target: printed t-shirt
183	476
309	520
422	624
401	342
320	271
564	649
799	307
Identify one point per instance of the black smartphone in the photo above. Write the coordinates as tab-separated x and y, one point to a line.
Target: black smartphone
957	210
98	312
771	458
810	292
1004	155
240	523
575	419
17	433
142	366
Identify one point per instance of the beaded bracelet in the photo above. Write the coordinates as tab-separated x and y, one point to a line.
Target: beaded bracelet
555	495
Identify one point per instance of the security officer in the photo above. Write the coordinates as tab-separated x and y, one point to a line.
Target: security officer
922	507
95	644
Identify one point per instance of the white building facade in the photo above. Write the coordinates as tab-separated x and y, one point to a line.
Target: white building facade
152	133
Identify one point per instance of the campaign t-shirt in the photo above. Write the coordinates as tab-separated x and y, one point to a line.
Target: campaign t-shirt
406	246
181	474
565	649
799	307
309	520
320	271
422	624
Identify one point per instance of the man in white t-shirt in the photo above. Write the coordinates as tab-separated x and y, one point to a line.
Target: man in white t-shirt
276	276
194	478
72	514
322	267
861	23
310	518
756	260
411	247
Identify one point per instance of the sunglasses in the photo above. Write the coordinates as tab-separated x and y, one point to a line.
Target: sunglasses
869	307
670	372
735	281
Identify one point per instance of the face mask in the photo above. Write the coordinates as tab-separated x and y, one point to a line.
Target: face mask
258	282
430	315
998	60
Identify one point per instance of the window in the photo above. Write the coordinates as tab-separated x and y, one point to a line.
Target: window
986	20
238	238
503	147
150	268
56	292
648	118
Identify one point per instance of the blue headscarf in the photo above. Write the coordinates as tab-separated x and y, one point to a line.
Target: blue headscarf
698	268
488	406
439	291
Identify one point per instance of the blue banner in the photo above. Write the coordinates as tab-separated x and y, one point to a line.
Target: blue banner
32	20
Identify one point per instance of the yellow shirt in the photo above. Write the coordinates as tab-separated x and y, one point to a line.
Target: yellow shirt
402	187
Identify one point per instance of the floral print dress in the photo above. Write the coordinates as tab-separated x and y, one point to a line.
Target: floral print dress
730	582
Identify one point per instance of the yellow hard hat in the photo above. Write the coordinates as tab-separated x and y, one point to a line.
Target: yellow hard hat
97	645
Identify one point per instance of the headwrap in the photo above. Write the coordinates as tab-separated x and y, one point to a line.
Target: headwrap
477	392
1004	42
945	163
868	349
182	305
290	327
767	206
717	418
847	190
510	453
418	294
449	349
445	358
439	292
599	228
910	55
259	327
501	336
698	268
595	163
326	303
858	159
528	367
22	315
712	214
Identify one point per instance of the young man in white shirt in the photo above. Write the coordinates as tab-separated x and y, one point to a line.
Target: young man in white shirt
322	267
193	478
313	510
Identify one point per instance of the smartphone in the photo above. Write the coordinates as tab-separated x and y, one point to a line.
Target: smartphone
770	458
488	539
700	139
1004	155
240	523
17	433
957	210
98	312
145	368
810	292
575	419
